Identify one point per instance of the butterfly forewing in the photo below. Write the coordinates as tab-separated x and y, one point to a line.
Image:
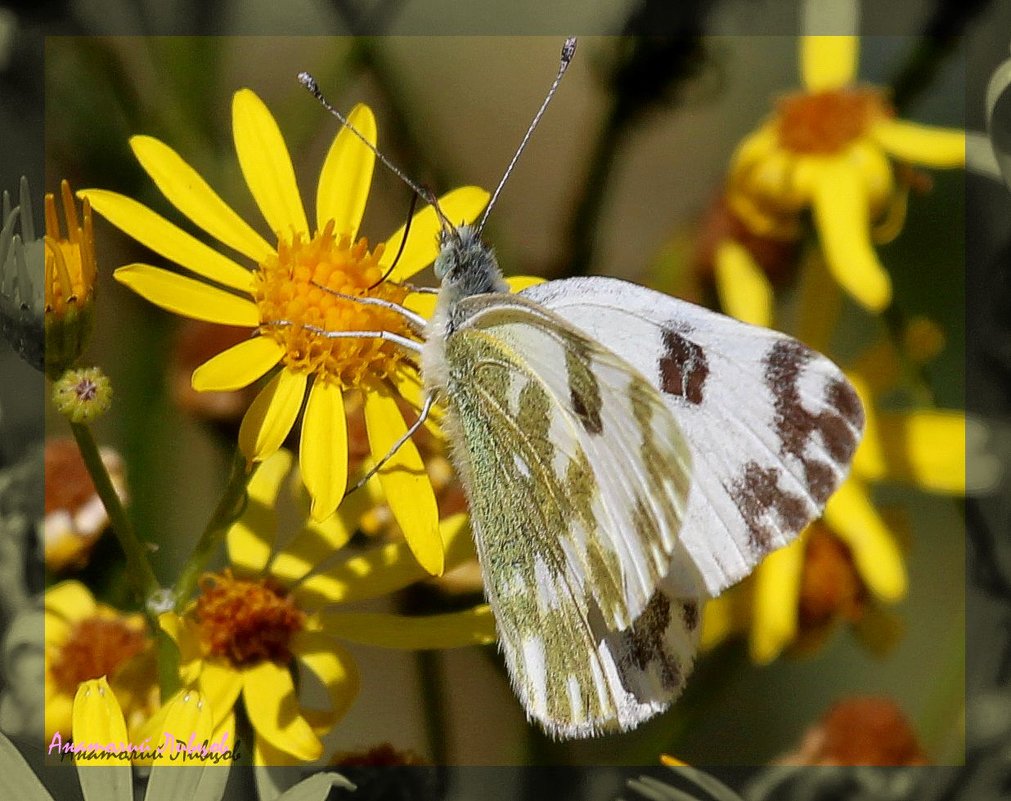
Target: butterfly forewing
771	424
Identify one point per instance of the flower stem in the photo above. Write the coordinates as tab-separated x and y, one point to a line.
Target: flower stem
433	699
228	508
139	571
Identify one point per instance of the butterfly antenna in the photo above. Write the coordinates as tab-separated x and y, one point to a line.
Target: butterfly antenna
309	83
403	243
568	50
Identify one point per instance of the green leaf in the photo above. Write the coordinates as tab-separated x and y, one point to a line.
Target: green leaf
16	778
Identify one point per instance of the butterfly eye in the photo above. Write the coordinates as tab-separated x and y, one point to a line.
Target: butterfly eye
444	262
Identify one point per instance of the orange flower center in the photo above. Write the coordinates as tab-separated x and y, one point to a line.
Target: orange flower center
826	122
831	586
246	621
296	307
70	259
97	647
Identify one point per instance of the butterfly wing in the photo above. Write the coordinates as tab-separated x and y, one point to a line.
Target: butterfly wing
577	477
771	424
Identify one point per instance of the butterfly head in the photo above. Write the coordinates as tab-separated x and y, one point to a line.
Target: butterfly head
465	264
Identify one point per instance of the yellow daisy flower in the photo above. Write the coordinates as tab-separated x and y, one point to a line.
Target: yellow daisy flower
276	292
922	448
268	628
831	148
88	640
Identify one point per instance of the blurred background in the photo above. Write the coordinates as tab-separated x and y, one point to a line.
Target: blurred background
606	187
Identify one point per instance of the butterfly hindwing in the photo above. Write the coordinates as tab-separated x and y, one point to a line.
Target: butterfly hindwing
577	477
771	424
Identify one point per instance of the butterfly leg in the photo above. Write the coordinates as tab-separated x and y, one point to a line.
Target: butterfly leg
426	409
415	320
385	336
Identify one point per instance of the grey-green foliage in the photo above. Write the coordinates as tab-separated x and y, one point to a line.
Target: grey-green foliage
114	782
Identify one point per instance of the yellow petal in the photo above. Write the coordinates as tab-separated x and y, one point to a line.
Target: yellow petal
925	448
853	518
819	304
744	290
273	709
843	221
828	62
422	302
185	189
316	543
181	295
335	669
921	144
411	388
346	176
70	600
220	684
99	729
251	538
756	147
517	283
405	483
460	206
187	721
266	165
451	630
271	416
168	240
187	641
238	366
777	592
323	448
383	569
724	616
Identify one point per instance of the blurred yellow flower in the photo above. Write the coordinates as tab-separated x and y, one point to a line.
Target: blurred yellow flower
280	297
267	627
830	148
87	640
74	514
855	546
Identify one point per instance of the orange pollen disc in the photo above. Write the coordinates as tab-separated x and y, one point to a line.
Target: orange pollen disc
289	288
97	647
246	621
830	585
826	122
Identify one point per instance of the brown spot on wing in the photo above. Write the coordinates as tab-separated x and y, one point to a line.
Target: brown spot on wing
584	391
757	493
646	643
683	367
690	614
838	425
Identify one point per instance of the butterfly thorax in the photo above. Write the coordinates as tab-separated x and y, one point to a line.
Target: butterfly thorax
466	267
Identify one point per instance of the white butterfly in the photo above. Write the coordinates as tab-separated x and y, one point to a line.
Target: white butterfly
625	456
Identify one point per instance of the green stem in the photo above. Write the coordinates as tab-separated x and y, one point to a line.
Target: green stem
224	515
139	572
433	699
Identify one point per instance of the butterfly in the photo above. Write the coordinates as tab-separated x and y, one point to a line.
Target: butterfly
625	456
